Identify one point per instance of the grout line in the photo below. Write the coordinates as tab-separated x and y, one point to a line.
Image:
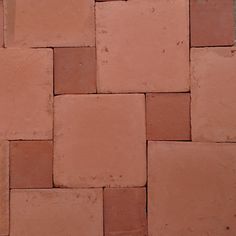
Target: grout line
103	210
96	58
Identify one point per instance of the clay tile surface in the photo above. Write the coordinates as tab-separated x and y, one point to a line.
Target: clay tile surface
212	22
31	164
75	70
168	116
213	94
191	189
125	211
48	23
56	212
97	139
26	90
1	23
143	50
4	188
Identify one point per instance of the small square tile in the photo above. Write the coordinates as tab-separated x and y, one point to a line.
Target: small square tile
125	211
97	138
212	22
75	70
4	188
31	164
168	116
57	212
49	23
142	51
191	189
213	94
26	94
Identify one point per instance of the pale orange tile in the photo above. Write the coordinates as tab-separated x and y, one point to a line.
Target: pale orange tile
100	140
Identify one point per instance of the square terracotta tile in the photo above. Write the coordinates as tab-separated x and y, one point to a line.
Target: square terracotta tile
191	189
125	211
4	188
1	23
31	164
26	93
139	47
213	94
212	22
75	70
168	116
57	212
49	23
97	139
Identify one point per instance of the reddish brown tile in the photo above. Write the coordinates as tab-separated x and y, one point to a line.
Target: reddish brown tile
191	189
75	70
125	211
4	188
31	164
49	23
168	116
74	212
213	94
212	22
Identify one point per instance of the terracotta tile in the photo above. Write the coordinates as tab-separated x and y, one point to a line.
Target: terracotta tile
212	22
26	89
149	53
191	189
98	138
213	94
31	164
168	116
1	23
75	70
4	188
56	212
125	211
50	23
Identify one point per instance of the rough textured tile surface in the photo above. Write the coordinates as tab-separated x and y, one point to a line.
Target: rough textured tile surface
26	88
143	50
212	22
75	70
47	23
168	116
56	212
4	188
98	138
1	23
191	189
213	94
31	164
125	211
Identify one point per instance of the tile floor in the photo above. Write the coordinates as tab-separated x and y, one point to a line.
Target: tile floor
117	118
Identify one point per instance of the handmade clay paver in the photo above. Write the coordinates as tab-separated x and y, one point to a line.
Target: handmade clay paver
213	94
125	211
4	188
168	116
139	47
99	140
31	164
57	212
191	189
49	23
212	22
75	70
26	90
